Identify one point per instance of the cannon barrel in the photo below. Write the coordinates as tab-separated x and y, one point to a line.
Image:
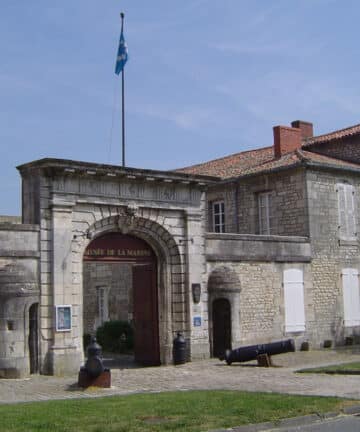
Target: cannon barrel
251	352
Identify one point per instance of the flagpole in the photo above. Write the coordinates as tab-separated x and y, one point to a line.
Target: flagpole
123	101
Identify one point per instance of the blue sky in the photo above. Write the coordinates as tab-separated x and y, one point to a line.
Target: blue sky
206	78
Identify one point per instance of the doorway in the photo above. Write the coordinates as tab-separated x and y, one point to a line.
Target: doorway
125	269
221	318
33	338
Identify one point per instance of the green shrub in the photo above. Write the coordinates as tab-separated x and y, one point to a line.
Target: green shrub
116	336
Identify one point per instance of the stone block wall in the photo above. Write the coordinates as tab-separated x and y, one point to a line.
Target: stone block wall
228	194
288	202
258	263
258	311
330	253
19	289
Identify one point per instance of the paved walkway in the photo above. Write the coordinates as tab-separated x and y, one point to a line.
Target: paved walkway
206	374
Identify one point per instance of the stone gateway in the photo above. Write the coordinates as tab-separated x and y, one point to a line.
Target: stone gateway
251	248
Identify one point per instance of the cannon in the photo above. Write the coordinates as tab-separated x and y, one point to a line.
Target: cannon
94	373
94	365
253	352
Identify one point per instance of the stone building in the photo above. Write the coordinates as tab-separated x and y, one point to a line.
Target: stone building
253	247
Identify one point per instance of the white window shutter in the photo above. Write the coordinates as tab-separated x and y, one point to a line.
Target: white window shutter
350	211
342	210
351	297
265	213
294	300
346	207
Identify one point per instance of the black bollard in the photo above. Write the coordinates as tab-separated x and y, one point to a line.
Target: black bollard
179	349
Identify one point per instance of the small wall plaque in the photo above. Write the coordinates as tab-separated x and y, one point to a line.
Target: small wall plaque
197	321
63	318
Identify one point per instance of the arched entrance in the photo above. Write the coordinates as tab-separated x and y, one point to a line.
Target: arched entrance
224	309
120	283
221	315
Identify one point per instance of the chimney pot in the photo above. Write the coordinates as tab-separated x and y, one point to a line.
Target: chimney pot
307	128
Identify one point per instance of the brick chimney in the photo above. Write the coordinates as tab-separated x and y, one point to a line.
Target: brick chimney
286	140
307	129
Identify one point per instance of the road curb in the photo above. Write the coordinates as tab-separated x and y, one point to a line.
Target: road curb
352	410
292	421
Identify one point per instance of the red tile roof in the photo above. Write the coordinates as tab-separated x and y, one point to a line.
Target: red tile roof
243	163
308	156
232	165
339	134
263	160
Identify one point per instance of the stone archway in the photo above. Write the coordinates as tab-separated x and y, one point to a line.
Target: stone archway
169	271
224	308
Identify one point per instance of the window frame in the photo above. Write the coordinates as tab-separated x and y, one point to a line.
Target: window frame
265	215
346	213
218	227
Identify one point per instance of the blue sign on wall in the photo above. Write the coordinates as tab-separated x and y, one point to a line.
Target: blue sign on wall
197	321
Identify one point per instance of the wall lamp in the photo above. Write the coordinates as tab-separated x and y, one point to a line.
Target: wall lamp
190	240
87	234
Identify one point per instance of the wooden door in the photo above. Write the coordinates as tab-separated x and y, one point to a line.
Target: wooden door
221	314
146	323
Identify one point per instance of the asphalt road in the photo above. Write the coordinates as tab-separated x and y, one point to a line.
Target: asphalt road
349	423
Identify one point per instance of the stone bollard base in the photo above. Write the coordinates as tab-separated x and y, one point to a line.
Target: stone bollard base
86	380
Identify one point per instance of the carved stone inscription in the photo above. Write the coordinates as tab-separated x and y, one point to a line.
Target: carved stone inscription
174	193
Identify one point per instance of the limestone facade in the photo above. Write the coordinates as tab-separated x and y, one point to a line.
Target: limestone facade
69	204
269	238
19	292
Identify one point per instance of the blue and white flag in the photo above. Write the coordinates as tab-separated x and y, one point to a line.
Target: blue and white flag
122	55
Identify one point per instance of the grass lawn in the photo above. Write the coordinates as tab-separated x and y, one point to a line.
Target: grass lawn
344	369
173	411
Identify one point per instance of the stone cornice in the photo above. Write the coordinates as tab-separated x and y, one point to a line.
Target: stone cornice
54	167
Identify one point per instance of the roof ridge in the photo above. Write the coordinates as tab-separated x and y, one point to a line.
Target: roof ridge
328	134
325	156
301	155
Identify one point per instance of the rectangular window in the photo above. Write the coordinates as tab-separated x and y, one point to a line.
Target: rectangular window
265	213
351	297
103	304
346	209
218	211
294	301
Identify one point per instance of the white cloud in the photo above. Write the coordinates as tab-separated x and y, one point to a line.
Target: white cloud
188	119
